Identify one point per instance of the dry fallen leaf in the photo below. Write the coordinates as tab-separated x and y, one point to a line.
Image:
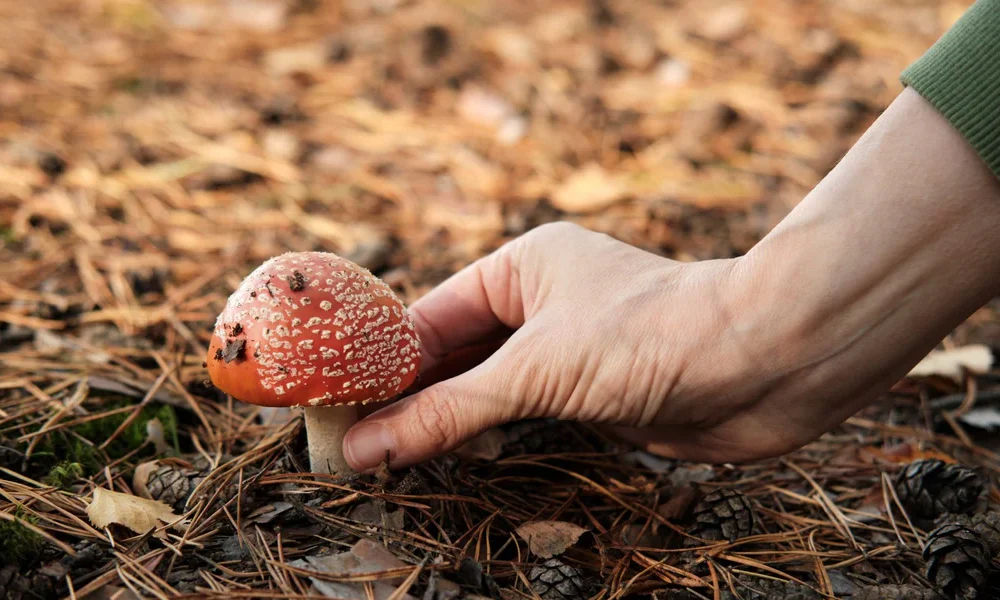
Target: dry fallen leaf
364	558
266	514
372	514
549	538
141	477
899	454
872	506
725	23
138	514
977	358
641	536
258	15
678	504
588	190
302	58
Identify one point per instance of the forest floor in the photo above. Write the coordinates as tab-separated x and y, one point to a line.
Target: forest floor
152	153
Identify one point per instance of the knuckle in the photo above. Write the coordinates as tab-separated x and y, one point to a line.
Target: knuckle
537	247
554	230
436	418
503	262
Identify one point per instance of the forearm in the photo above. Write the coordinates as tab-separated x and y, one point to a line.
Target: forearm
897	245
960	76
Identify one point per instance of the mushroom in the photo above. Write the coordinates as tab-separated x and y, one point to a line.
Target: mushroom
314	330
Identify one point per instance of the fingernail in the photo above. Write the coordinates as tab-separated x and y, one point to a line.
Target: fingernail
367	446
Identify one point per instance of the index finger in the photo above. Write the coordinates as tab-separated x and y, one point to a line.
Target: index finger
472	307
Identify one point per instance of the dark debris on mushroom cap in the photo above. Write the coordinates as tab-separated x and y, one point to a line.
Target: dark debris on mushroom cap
235	349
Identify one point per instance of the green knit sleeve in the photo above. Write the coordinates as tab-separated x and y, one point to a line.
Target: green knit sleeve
960	76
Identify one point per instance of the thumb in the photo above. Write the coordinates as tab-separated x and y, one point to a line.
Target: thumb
434	420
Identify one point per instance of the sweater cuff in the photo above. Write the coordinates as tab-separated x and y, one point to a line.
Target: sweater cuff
960	76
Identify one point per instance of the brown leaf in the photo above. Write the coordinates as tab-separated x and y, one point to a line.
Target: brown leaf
138	514
643	537
364	558
549	538
678	504
258	15
294	59
141	477
899	454
589	190
872	506
725	23
512	46
373	514
281	144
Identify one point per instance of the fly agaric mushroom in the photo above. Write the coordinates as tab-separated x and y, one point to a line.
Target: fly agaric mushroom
314	330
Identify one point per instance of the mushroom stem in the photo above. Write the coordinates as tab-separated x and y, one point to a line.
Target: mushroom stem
326	427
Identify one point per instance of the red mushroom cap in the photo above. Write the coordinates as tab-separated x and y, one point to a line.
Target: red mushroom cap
312	329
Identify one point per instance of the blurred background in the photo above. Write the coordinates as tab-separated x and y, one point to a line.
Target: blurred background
152	151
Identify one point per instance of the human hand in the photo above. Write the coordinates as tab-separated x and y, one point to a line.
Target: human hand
719	361
602	332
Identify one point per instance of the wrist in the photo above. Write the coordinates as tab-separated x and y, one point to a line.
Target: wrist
883	258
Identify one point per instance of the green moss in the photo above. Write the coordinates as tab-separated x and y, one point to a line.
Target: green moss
168	418
64	474
80	443
18	544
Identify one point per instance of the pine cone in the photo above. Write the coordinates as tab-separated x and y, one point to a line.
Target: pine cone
166	482
227	493
958	562
986	526
173	484
930	487
896	592
538	436
555	580
724	515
